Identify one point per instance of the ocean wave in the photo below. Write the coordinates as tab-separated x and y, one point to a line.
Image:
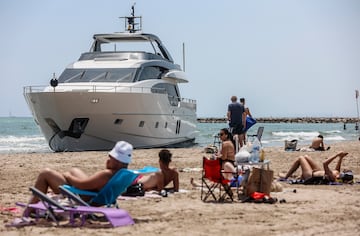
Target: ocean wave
332	132
17	139
17	144
302	135
334	138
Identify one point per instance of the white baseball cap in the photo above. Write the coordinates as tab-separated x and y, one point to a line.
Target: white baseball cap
122	152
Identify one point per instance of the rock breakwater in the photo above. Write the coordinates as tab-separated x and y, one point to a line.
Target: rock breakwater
288	120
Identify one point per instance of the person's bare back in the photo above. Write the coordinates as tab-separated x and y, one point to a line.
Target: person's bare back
159	180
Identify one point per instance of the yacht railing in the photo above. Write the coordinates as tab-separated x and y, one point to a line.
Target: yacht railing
101	88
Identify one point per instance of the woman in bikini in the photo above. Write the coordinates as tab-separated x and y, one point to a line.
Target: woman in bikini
227	153
311	169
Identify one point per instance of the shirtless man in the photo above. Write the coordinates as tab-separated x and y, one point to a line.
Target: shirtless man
318	144
119	157
158	181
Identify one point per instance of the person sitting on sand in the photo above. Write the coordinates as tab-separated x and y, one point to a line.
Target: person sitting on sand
119	158
311	169
318	144
158	180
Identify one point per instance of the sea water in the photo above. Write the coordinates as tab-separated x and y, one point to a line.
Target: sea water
21	134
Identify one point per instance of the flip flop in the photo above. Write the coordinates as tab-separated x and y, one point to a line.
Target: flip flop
20	222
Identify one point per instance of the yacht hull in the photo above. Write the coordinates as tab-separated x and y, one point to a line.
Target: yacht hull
83	121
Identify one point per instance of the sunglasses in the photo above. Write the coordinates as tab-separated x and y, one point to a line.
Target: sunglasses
221	134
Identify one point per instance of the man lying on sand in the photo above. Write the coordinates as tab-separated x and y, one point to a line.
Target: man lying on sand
159	180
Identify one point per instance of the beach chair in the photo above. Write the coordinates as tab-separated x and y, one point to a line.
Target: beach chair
108	194
115	187
47	206
213	183
258	134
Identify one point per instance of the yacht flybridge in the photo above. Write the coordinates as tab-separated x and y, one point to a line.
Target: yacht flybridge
125	88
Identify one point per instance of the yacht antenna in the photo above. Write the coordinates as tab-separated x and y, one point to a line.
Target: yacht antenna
133	23
183	56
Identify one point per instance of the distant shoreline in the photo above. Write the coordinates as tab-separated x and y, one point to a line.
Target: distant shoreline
288	120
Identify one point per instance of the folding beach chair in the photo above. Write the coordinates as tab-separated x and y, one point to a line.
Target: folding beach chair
213	183
116	217
109	193
114	187
258	134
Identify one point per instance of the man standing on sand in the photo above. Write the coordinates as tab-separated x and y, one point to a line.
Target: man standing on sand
236	116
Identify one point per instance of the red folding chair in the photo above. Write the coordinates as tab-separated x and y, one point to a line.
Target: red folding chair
213	182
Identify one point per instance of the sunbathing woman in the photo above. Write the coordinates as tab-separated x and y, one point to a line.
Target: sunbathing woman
227	152
311	169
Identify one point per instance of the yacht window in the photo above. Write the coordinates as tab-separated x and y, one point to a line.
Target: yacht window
127	46
97	75
141	124
151	72
157	125
118	121
170	89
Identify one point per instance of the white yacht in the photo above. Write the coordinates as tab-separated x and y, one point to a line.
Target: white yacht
125	88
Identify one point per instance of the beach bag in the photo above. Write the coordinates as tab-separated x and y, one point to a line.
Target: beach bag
290	145
260	180
135	190
242	156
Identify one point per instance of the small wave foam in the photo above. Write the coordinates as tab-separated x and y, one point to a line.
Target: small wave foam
334	138
16	144
283	135
332	132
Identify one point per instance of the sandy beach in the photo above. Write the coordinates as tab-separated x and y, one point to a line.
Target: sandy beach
308	210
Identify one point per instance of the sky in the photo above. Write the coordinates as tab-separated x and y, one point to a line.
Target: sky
288	58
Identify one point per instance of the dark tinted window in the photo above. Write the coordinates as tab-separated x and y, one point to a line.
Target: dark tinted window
151	72
97	75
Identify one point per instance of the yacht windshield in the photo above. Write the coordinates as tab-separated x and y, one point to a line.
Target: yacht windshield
130	46
124	75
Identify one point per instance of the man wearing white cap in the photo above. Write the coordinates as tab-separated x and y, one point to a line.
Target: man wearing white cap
119	158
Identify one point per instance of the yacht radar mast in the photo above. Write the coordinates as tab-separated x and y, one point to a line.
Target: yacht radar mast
133	23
